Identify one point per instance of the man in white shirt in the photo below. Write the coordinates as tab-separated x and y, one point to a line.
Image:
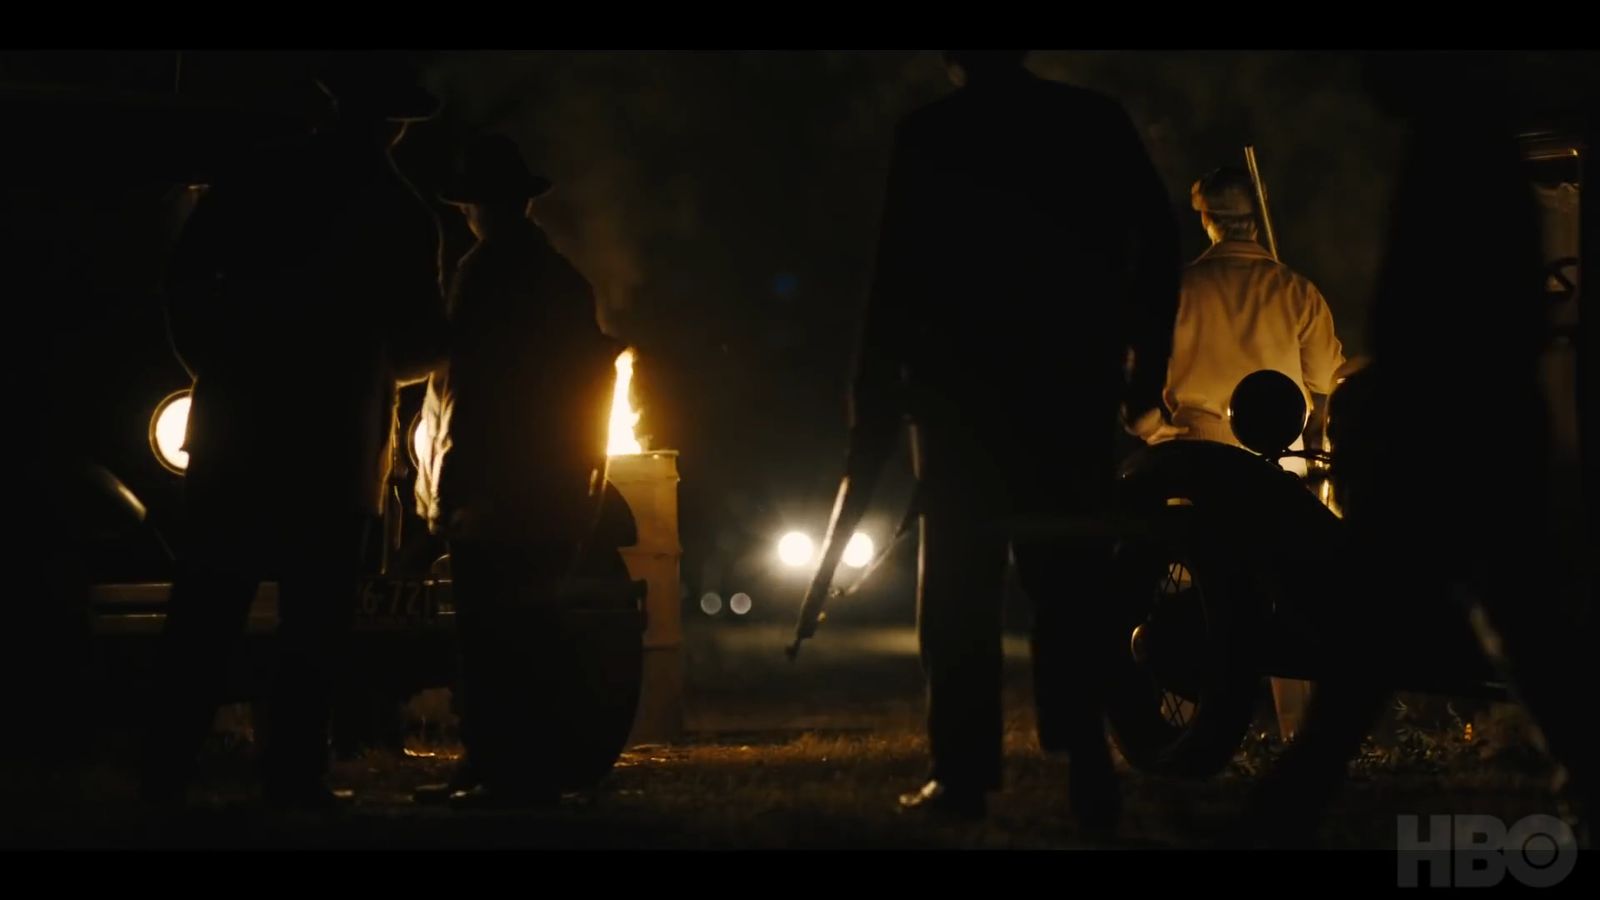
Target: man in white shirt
1239	311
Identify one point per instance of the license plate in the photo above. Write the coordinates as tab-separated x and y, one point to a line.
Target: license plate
398	603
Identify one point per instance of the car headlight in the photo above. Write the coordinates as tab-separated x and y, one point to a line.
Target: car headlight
795	549
168	428
858	552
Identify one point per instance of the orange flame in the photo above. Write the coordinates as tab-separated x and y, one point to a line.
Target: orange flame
623	416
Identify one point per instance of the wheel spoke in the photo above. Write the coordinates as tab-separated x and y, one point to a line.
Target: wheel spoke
1174	582
1175	710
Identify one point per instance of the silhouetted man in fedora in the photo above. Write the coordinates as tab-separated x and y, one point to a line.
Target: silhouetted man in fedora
513	479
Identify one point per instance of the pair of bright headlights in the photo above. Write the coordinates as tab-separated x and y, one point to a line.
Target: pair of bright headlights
796	549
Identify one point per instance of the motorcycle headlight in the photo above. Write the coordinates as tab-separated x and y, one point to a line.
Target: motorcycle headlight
1267	411
169	425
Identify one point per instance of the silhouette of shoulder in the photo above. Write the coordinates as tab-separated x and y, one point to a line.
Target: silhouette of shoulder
1049	96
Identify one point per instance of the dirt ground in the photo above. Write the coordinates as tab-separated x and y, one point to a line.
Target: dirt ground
808	755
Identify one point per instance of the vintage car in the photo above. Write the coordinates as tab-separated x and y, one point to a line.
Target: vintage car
404	615
112	410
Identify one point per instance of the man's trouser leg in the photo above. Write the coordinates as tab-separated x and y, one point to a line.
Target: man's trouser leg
1287	805
474	586
962	575
1378	586
316	605
510	666
1070	589
1545	630
206	616
1070	586
1290	698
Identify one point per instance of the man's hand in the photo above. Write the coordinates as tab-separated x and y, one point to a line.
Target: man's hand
811	612
1316	423
815	595
1153	429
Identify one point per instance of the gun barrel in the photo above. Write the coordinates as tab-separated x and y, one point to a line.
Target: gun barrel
847	513
1261	200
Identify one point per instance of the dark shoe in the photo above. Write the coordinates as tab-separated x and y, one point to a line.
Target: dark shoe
481	797
162	809
314	798
435	794
160	796
1096	804
940	798
464	779
432	794
1251	832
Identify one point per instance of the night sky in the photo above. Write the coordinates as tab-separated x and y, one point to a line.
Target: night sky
725	204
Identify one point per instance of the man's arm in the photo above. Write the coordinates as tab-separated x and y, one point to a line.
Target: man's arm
418	326
1321	353
1154	273
191	288
877	393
